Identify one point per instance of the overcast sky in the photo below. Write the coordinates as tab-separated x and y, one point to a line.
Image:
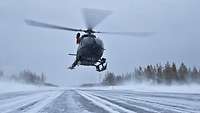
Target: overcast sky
176	23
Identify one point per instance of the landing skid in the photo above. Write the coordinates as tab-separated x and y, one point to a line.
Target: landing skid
102	65
71	67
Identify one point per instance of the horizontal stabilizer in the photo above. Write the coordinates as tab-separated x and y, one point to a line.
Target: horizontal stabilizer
72	54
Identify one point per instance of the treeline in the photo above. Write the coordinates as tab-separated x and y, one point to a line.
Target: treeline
25	76
156	74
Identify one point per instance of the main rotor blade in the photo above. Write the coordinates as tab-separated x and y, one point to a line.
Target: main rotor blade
128	33
94	16
45	25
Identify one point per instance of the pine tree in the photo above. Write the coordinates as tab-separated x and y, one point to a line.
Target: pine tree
159	73
167	73
183	71
43	78
109	79
174	72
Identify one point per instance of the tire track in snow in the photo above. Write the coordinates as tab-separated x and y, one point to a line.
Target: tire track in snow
187	104
136	105
29	103
160	106
105	104
163	104
71	102
98	101
125	104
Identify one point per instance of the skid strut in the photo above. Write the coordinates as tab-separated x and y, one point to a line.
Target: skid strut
102	65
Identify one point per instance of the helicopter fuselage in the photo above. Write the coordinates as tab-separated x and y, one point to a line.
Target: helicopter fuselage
90	50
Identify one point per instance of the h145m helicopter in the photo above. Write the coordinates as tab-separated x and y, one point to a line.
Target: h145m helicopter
90	49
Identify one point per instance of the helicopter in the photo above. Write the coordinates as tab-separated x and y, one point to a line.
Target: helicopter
90	47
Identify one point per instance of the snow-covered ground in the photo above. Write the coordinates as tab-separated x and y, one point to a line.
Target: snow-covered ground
190	88
20	98
11	86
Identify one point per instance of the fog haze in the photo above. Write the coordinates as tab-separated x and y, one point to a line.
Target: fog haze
176	25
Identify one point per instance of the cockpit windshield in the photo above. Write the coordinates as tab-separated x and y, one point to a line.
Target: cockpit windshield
88	35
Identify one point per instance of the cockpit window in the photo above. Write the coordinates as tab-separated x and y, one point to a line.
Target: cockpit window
87	39
88	35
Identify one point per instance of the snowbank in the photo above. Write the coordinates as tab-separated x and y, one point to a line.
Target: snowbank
10	86
192	88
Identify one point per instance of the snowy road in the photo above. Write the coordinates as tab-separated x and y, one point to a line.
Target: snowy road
98	101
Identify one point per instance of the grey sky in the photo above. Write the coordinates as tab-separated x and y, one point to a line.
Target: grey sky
176	23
